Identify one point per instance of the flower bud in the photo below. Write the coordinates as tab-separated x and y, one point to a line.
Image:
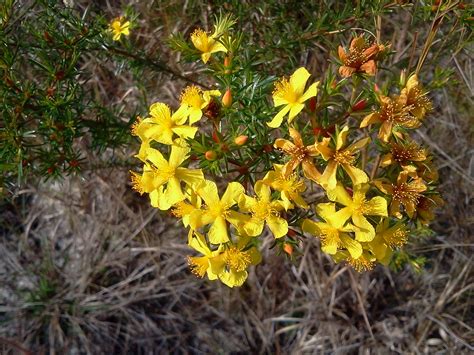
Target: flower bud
240	140
360	105
227	65
288	248
215	137
403	77
227	98
210	155
312	104
267	148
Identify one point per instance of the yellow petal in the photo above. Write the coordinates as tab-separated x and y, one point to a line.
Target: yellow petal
263	191
254	227
364	232
295	109
185	131
328	179
357	175
340	194
298	80
311	92
377	206
310	227
233	278
358	145
198	242
354	247
278	226
218	233
370	119
209	193
156	158
177	155
341	138
232	194
278	119
192	177
173	193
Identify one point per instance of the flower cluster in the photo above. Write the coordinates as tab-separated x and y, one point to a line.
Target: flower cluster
376	182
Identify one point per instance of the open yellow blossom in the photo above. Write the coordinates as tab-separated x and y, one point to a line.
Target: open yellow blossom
262	210
183	209
299	154
426	205
232	264
341	157
164	177
403	154
217	211
357	207
413	97
202	265
387	239
206	44
291	94
194	100
290	187
404	192
162	126
360	58
333	232
393	112
119	26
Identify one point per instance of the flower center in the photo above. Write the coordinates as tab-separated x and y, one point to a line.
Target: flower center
404	193
299	153
198	265
343	157
236	259
262	210
192	97
397	238
284	90
182	209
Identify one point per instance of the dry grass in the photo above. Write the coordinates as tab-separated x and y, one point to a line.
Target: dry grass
88	267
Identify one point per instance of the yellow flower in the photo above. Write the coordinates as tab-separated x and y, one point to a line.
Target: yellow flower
343	157
162	179
413	97
404	192
183	209
291	94
425	206
119	27
217	211
300	154
403	153
393	112
231	265
360	57
364	262
162	126
202	265
263	209
290	187
206	44
357	206
333	232
387	239
194	101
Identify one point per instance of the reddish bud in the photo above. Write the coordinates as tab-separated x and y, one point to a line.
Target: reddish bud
288	248
74	163
243	170
241	140
210	155
60	75
291	233
360	105
50	91
312	104
267	148
333	85
227	98
376	88
318	130
227	63
50	170
215	137
47	36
